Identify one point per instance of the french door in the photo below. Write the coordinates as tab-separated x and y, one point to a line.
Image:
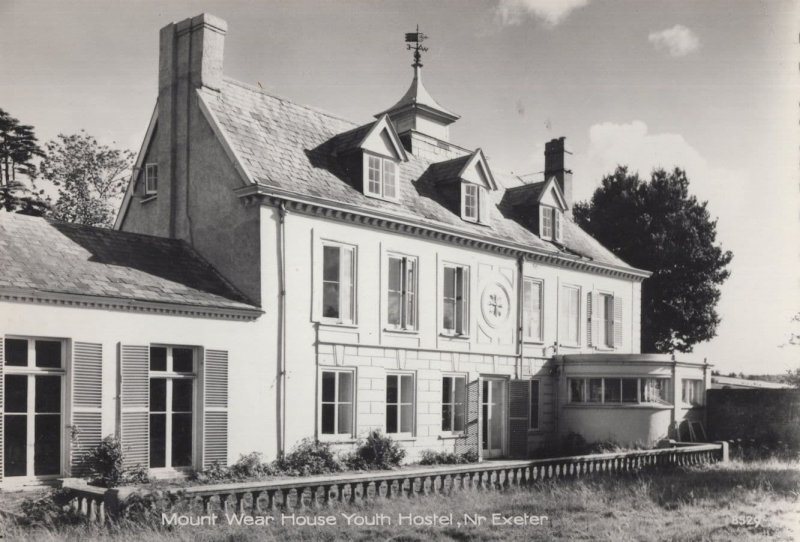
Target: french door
493	412
33	400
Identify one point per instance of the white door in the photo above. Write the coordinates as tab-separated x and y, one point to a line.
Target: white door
493	413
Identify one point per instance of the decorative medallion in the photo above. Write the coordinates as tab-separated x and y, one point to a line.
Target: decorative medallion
495	304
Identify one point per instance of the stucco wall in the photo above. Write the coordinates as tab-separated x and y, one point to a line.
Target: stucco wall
629	424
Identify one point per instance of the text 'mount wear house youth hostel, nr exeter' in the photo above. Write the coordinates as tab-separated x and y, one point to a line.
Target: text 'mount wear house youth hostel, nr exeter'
277	272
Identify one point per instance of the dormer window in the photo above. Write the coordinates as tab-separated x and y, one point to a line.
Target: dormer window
551	223
474	201
151	179
381	177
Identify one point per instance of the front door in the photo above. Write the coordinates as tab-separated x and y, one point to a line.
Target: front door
493	412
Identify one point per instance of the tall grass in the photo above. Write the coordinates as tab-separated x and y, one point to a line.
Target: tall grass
700	503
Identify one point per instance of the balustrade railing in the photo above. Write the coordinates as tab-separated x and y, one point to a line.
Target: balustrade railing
263	497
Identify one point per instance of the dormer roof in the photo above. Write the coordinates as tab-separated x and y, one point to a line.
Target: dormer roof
418	97
382	138
552	195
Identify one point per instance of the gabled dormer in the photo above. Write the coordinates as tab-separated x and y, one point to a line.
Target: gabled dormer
382	156
464	185
551	209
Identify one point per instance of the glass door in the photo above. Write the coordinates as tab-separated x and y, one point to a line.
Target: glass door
493	411
32	386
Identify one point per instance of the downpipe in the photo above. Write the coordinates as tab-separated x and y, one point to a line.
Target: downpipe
282	330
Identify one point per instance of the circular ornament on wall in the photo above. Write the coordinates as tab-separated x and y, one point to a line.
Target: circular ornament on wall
495	304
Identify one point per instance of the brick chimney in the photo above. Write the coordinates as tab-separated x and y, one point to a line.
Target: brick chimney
555	166
190	57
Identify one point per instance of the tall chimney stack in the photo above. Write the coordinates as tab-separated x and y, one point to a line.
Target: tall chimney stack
555	166
190	58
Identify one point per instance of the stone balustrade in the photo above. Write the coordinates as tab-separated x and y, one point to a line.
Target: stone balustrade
314	492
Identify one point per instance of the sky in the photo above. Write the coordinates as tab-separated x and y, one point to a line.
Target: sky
709	86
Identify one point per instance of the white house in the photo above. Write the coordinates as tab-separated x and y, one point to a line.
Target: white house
278	272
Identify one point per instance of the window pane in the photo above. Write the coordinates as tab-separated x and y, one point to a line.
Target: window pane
448	314
158	395
374	167
158	440
613	393
411	293
346	284
395	274
48	354
458	422
181	440
461	390
629	390
16	393
330	264
15	445
389	180
330	300
47	444
447	417
158	358
576	390
391	418
48	394
328	413
406	389
328	386
16	352
182	395
183	360
406	418
447	383
345	387
391	389
461	293
394	308
595	388
345	419
449	282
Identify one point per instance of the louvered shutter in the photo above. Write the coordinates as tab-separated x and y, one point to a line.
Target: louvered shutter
519	404
617	302
472	441
134	426
215	407
594	311
483	203
87	402
2	405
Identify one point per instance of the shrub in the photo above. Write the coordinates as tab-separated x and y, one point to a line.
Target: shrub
248	467
105	463
50	510
309	457
432	457
376	452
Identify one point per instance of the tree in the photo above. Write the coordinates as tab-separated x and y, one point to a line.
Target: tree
792	377
658	226
18	148
90	178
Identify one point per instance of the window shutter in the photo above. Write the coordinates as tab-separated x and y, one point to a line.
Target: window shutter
134	404
594	310
483	203
472	440
2	404
617	303
215	408
519	400
87	402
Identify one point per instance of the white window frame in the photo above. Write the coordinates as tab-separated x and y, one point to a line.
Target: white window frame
454	377
409	293
400	403
691	387
558	225
538	425
563	339
170	375
31	371
383	165
464	311
336	402
640	399
351	289
466	188
539	337
151	176
605	324
546	225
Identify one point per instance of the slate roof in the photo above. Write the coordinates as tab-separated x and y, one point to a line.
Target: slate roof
291	147
44	256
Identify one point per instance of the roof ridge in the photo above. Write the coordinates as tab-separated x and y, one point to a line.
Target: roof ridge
259	90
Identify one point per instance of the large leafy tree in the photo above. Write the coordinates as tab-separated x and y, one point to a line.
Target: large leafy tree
656	225
18	150
90	178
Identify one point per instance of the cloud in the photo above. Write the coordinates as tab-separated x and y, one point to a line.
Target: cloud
677	41
552	12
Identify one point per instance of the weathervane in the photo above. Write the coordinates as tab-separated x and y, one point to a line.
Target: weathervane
416	38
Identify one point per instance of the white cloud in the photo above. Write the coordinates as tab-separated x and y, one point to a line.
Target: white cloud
677	41
552	12
752	224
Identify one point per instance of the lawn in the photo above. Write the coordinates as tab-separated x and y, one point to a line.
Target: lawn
713	502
